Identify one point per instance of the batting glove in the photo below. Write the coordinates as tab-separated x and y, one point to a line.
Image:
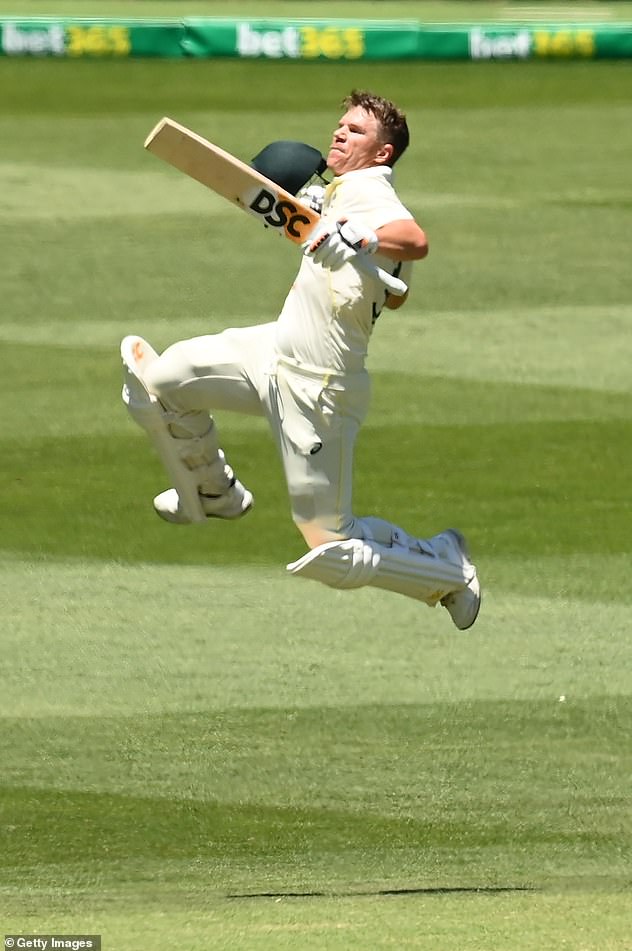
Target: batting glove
334	246
313	196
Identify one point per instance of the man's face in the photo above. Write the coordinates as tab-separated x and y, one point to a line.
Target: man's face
356	143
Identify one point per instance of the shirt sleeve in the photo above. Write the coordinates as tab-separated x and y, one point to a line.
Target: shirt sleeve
373	201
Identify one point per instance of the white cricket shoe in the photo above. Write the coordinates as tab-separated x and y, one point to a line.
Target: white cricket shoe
234	503
463	605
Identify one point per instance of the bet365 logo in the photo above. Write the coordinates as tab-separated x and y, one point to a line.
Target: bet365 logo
281	213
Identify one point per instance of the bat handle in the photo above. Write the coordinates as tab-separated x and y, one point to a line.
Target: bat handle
393	284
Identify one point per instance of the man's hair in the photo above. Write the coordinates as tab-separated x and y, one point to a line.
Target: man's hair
391	119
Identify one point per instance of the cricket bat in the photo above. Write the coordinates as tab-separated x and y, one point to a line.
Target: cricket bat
247	188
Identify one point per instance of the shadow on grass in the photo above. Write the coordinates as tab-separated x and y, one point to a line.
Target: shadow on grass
388	892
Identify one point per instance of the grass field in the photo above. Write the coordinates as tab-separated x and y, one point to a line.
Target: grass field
426	10
199	752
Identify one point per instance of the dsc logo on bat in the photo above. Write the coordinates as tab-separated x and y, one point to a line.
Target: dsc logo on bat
281	214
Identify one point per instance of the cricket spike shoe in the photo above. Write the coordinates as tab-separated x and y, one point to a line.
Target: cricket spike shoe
462	605
232	504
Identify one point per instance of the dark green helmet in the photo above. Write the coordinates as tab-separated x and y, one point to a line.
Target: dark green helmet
289	164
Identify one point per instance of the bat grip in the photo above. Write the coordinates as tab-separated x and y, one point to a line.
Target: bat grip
393	284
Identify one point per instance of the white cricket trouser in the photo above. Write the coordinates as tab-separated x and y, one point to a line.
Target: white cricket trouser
314	417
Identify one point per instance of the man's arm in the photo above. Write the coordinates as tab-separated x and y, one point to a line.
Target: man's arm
402	240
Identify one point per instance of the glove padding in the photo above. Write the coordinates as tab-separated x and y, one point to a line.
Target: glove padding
313	196
332	247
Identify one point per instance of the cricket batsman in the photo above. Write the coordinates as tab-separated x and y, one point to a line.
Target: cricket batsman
305	373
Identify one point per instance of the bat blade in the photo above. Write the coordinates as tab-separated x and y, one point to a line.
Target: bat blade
231	178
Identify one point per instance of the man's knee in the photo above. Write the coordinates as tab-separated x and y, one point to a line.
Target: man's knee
161	380
318	533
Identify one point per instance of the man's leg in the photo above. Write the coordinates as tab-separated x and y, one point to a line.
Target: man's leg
170	396
318	432
433	570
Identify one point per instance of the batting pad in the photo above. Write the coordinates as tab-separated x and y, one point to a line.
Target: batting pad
355	563
148	412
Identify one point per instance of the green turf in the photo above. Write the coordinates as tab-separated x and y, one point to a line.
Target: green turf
200	752
425	10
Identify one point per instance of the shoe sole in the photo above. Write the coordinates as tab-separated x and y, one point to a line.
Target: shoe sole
232	518
175	520
462	544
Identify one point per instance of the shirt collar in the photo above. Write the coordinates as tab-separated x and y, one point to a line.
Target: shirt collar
375	171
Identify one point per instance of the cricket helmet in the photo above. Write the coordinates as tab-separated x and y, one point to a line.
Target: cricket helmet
289	164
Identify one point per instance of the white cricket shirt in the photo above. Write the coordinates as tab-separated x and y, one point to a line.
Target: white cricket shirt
328	316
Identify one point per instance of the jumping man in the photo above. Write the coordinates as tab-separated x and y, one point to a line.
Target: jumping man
305	372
